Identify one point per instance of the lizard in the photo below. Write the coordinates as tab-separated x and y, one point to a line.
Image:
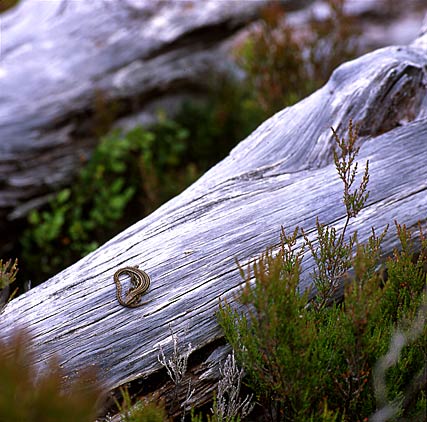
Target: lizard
140	282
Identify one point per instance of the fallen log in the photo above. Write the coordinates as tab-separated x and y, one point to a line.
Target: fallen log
70	70
282	175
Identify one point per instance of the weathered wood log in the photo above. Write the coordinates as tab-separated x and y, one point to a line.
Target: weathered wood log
281	175
70	70
66	64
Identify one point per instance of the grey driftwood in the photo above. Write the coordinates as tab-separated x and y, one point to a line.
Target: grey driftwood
64	64
281	175
67	67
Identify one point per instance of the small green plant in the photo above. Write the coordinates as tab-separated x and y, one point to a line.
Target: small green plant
139	412
284	64
390	367
26	394
8	271
333	253
313	360
124	179
78	218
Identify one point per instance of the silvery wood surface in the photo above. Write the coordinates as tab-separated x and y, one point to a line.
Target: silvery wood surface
58	57
281	175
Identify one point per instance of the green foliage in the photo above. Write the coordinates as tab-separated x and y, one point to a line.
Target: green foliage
139	412
257	337
406	271
79	218
313	360
333	254
164	168
28	395
8	271
284	64
347	171
219	124
404	307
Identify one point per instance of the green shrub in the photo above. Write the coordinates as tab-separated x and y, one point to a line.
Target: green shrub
284	64
125	178
78	218
28	394
314	359
8	271
140	412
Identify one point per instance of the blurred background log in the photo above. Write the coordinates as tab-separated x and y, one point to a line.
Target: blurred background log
70	70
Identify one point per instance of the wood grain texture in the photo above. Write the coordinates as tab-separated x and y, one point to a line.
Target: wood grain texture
62	60
281	175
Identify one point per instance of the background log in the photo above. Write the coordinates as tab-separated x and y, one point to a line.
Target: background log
65	64
70	70
281	175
